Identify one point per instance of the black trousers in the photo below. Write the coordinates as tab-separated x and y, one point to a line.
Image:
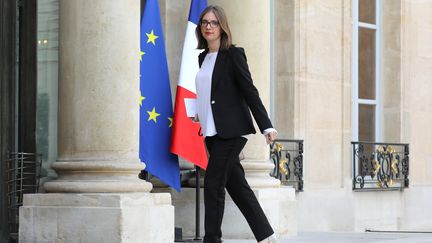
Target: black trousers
225	171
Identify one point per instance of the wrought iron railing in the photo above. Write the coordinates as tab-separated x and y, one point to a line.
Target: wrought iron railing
287	155
380	166
22	176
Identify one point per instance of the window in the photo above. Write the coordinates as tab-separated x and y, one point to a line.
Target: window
366	71
47	80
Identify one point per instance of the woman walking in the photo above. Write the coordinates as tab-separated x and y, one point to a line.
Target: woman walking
226	97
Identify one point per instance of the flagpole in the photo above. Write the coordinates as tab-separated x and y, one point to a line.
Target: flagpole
184	134
197	203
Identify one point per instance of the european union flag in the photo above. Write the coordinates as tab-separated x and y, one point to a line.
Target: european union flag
155	102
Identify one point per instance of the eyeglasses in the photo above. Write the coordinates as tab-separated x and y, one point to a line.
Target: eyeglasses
213	23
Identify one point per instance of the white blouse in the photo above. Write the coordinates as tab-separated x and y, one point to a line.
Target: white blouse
203	82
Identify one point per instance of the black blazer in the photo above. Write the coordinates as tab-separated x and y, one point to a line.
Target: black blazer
233	95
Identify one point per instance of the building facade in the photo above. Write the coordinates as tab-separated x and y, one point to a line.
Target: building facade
335	74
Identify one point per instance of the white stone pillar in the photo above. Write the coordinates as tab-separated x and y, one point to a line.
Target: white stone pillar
98	98
91	200
252	30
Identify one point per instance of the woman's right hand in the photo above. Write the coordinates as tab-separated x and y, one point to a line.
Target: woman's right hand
271	136
195	119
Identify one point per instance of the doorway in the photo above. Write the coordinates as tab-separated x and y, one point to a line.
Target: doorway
17	91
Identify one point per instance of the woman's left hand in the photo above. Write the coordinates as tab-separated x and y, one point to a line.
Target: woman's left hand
270	137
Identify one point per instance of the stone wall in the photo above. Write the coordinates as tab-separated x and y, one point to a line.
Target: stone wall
306	55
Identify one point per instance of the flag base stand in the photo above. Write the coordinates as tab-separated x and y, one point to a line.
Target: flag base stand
178	231
178	236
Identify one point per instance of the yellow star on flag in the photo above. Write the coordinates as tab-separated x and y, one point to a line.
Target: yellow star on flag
171	121
141	54
141	99
153	115
151	37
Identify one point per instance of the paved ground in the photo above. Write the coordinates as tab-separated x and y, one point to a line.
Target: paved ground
353	238
368	237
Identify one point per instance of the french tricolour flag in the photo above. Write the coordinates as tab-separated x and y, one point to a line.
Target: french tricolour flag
185	140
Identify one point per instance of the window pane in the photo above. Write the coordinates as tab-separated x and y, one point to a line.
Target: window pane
367	11
47	79
367	123
366	63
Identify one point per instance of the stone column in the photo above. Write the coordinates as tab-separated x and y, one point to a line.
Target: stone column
252	30
416	64
97	196
98	98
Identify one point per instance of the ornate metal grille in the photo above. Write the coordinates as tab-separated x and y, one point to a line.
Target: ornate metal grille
287	155
380	166
22	173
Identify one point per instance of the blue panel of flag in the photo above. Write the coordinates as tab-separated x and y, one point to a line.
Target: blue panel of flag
156	110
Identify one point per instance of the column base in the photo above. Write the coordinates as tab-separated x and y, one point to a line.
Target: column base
97	217
97	176
279	205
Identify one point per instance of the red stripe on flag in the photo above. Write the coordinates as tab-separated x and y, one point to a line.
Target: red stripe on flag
185	141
